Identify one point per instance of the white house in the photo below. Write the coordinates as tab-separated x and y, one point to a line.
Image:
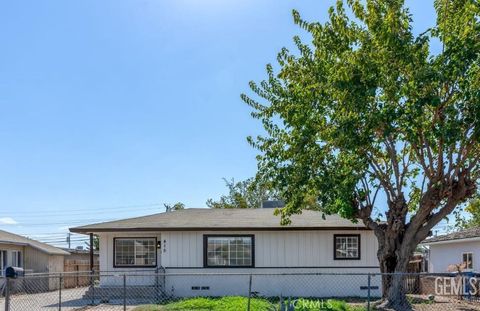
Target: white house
238	242
462	247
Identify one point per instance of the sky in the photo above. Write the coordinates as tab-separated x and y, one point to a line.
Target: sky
111	108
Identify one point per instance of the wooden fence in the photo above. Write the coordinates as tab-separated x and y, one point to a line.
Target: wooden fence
80	270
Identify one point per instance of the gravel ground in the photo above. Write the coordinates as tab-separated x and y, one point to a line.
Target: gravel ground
71	301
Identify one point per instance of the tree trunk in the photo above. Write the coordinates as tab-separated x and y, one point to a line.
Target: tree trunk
394	293
394	257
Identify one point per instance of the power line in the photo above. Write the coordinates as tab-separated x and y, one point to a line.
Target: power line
86	212
92	209
64	239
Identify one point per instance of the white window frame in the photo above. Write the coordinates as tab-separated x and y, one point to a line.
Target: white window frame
466	262
134	265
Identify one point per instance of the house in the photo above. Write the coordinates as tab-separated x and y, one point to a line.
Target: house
457	248
32	255
234	243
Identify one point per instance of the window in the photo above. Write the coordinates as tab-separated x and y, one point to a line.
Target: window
468	260
16	259
135	252
229	251
3	262
346	246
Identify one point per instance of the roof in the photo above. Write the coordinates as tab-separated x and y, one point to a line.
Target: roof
454	236
11	238
221	219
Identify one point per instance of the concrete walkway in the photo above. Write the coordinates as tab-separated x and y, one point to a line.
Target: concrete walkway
72	300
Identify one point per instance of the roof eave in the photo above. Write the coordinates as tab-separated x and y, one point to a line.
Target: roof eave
449	241
86	230
60	252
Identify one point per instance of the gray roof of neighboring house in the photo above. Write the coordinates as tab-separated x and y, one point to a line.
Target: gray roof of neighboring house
221	219
459	235
15	239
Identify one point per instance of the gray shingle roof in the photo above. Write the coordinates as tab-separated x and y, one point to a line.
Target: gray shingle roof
221	219
11	238
459	235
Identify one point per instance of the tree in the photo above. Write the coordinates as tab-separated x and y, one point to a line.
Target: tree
243	194
96	243
473	218
175	207
365	118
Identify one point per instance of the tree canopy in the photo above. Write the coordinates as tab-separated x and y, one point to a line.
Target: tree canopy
364	116
472	217
243	194
174	207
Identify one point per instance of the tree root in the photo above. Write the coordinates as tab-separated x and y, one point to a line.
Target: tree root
387	305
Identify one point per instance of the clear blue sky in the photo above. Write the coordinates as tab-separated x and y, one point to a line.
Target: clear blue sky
129	104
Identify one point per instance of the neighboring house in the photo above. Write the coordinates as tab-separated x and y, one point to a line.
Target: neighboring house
462	247
32	255
240	241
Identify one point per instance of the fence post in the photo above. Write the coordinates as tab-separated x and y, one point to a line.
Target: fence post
60	293
7	294
124	292
368	291
249	292
92	286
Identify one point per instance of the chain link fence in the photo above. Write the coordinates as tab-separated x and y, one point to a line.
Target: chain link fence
159	290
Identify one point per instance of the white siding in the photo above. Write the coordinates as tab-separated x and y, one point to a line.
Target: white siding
443	255
278	282
184	249
276	252
272	249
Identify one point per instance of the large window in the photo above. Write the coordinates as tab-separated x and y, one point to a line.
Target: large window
135	252
229	251
468	260
346	246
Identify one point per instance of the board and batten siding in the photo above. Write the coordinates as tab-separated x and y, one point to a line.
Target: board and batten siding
184	249
310	251
272	249
37	260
